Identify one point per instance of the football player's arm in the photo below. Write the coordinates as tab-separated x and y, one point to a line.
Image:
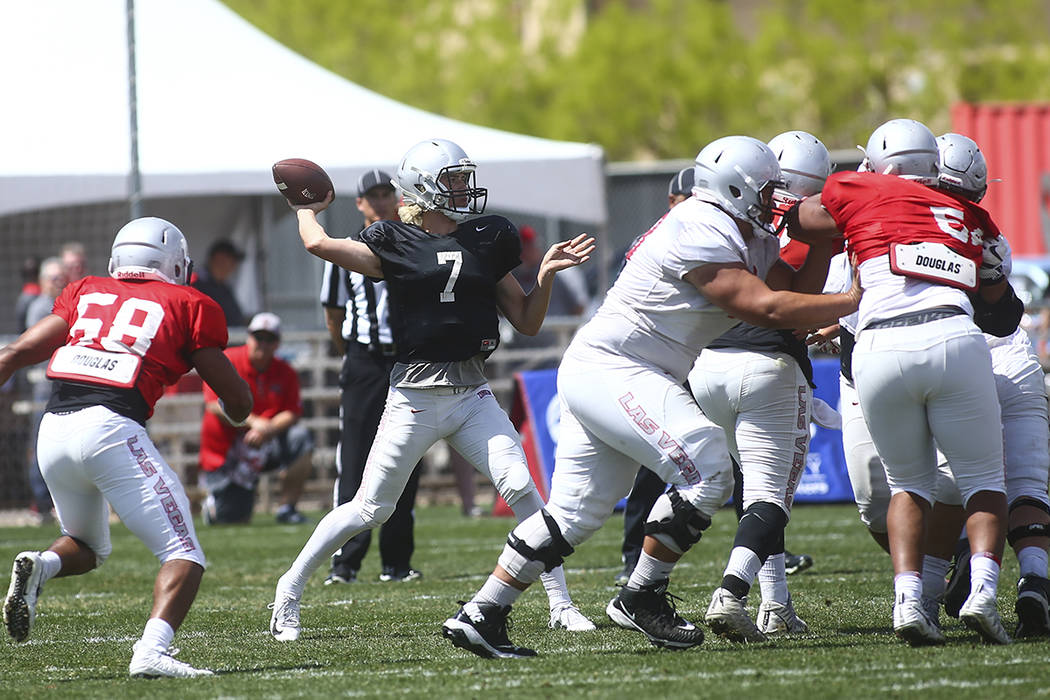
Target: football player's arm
527	311
333	319
35	345
344	252
215	369
731	287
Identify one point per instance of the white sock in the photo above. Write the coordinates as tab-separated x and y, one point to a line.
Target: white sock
328	537
984	571
934	569
496	592
556	587
51	565
744	564
158	634
1033	561
907	585
649	570
772	578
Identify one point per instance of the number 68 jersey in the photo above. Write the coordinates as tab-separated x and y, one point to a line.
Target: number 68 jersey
129	340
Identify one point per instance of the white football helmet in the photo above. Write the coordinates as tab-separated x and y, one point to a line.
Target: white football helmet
739	174
963	169
903	147
420	175
150	249
804	164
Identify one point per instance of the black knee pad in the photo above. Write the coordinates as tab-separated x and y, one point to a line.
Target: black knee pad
552	554
762	529
685	526
1029	501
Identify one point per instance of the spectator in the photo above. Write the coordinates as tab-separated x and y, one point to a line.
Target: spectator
73	256
30	290
231	458
215	280
52	281
357	315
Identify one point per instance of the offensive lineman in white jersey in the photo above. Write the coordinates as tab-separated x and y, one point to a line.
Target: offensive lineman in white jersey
756	384
623	400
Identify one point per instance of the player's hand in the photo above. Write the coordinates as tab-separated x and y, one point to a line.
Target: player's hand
566	254
315	207
855	290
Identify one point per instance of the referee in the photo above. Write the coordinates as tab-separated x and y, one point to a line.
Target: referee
356	313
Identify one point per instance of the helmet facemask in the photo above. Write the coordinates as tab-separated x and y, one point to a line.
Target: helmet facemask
437	175
739	175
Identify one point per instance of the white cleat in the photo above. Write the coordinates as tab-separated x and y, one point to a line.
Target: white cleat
727	617
568	617
284	622
20	604
147	662
980	614
778	619
912	623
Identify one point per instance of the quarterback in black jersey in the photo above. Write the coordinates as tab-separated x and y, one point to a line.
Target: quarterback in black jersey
447	271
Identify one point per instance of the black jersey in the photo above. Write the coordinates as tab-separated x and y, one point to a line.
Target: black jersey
443	288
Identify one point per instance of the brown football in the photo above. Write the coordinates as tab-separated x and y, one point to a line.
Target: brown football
301	181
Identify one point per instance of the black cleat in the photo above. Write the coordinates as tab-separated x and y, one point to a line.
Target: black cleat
958	588
392	574
1032	607
651	611
794	563
484	632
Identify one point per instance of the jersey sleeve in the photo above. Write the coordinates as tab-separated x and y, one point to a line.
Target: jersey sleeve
846	193
207	324
699	244
509	248
333	286
66	303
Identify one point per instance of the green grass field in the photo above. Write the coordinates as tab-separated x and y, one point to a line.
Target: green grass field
373	639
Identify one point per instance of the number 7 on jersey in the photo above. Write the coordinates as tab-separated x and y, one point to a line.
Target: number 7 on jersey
456	258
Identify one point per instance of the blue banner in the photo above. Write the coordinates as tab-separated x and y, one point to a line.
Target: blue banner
824	481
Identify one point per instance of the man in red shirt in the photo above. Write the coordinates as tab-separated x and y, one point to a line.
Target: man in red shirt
232	458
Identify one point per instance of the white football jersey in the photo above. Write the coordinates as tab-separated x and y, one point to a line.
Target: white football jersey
654	315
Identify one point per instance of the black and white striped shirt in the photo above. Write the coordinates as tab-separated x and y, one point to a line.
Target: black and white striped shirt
367	313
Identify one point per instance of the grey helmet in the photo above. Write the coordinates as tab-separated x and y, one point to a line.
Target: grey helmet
419	180
735	173
150	248
903	147
962	167
804	163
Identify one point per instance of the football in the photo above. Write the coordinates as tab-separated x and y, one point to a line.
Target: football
301	181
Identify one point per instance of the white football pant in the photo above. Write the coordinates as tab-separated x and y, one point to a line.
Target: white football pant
762	401
927	382
867	475
92	456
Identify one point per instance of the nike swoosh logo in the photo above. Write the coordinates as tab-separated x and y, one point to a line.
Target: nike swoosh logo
417	410
481	228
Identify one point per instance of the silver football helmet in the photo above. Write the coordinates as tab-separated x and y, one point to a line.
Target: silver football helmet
963	169
739	174
439	176
903	147
804	164
150	248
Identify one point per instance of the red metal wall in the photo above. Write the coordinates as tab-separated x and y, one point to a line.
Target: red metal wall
1015	139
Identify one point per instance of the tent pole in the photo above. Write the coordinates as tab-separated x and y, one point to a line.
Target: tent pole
134	176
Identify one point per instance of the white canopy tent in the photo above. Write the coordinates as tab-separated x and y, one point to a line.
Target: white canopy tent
218	103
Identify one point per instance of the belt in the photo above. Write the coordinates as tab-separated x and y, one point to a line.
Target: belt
916	318
384	349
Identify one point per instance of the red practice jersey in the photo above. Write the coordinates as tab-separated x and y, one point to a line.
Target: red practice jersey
875	211
133	334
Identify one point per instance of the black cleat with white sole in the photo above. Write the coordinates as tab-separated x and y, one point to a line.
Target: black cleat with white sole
481	628
651	611
1033	607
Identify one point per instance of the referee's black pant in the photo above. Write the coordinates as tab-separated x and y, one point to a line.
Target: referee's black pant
364	381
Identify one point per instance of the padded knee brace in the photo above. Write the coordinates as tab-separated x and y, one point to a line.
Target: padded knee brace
676	522
535	546
1031	529
761	529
